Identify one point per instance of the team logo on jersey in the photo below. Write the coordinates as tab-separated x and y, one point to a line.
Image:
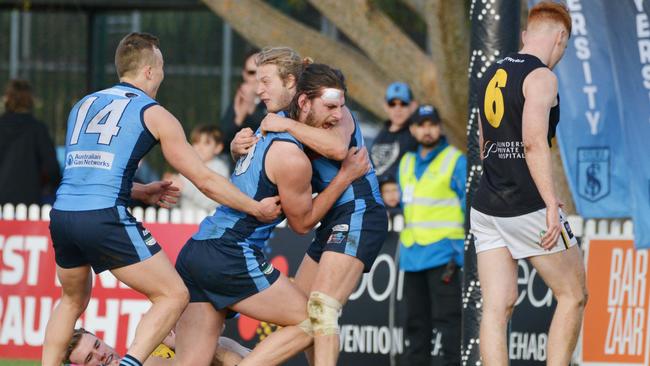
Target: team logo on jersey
593	173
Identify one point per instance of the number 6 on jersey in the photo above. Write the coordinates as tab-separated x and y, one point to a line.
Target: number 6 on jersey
493	104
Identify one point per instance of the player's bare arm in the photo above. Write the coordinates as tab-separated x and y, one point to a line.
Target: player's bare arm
331	142
540	91
179	153
294	184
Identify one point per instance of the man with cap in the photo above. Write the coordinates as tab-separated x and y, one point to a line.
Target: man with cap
394	139
432	181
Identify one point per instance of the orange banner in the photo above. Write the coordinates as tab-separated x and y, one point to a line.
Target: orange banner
615	328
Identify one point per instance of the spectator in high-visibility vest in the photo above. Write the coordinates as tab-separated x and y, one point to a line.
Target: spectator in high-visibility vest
432	181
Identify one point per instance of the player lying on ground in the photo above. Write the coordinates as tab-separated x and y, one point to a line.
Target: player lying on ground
86	349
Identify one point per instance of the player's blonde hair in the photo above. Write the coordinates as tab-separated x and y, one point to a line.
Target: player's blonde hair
286	59
551	11
134	51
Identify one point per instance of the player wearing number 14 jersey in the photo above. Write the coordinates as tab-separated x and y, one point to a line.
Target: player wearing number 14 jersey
109	131
515	212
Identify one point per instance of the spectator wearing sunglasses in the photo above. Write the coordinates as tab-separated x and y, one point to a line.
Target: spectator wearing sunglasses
246	110
394	139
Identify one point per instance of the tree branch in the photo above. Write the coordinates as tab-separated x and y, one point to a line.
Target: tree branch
384	43
388	46
263	25
448	31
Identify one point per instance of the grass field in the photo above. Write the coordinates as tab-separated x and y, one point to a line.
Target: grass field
17	363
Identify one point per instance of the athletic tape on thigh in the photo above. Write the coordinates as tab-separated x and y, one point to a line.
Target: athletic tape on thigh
324	312
306	327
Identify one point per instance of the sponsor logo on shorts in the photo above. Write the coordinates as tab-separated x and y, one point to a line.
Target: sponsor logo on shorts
150	241
89	159
341	227
148	238
267	268
337	237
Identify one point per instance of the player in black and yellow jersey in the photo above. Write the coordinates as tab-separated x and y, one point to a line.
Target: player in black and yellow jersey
516	212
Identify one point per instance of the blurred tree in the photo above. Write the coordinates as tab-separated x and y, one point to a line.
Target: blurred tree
383	52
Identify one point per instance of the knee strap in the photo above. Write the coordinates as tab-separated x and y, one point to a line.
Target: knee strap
324	312
306	327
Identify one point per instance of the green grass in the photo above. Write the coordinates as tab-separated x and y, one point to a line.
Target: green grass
18	363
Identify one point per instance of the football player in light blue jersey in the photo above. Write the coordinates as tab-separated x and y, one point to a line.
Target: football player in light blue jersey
351	234
108	133
224	265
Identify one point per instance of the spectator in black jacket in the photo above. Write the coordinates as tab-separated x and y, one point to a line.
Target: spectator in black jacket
28	166
394	139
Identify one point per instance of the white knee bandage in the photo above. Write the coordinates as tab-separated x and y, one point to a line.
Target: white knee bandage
324	312
306	327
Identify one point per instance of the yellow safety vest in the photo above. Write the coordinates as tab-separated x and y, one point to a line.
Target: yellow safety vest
432	209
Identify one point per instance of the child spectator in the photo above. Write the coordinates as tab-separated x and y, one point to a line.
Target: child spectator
207	141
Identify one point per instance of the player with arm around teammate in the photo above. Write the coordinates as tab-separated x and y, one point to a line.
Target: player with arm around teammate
109	131
352	233
224	266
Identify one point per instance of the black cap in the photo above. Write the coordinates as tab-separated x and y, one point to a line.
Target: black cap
425	112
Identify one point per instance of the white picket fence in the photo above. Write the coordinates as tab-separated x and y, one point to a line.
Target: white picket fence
620	228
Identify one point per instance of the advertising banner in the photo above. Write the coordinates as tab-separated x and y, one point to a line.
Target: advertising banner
589	134
615	328
528	336
629	30
29	291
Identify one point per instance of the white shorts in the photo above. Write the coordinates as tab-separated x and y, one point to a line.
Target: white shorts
520	234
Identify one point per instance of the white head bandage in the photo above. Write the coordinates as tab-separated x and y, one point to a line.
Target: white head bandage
331	95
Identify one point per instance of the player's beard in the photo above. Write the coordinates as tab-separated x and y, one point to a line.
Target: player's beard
310	120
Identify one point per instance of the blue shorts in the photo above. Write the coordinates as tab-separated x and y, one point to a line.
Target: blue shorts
223	272
357	228
107	238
